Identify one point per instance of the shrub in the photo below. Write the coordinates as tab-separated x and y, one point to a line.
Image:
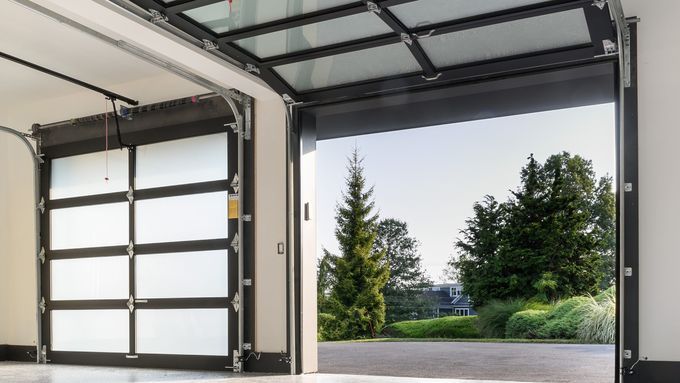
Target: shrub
454	327
564	320
328	328
599	319
526	324
494	316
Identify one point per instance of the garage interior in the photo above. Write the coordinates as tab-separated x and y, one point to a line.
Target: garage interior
241	90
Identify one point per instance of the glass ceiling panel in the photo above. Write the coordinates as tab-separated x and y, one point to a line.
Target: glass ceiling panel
221	18
426	12
552	31
367	64
316	35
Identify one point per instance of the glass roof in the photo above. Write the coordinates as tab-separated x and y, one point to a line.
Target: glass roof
426	12
366	64
535	34
309	36
221	17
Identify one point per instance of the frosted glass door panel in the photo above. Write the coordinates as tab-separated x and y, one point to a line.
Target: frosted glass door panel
91	330
85	174
90	278
185	161
182	275
182	218
182	332
89	226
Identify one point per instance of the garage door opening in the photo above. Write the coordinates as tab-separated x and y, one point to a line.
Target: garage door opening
521	209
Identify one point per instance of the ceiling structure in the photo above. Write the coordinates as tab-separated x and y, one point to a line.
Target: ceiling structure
326	50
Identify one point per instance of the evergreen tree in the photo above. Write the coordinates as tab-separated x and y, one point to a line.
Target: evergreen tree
356	300
549	240
325	279
404	298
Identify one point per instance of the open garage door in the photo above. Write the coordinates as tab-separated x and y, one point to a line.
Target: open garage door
139	242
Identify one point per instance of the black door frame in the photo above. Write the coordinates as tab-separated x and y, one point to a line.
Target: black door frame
309	122
149	124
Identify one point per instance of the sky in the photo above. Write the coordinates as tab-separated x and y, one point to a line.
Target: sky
430	177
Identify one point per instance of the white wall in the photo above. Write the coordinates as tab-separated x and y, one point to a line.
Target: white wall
659	172
4	233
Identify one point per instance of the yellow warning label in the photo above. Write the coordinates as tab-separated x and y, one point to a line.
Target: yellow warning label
233	206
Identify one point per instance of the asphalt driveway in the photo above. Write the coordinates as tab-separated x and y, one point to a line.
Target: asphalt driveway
468	360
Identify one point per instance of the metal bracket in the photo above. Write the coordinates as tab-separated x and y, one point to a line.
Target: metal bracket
234	243
610	47
234	183
131	304
247	282
628	187
209	45
373	7
41	255
599	3
628	272
236	302
247	122
247	217
157	17
627	354
131	356
287	99
41	205
617	14
131	249
285	358
43	354
406	39
233	126
247	346
42	305
130	195
251	68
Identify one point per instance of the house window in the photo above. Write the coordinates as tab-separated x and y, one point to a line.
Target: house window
462	312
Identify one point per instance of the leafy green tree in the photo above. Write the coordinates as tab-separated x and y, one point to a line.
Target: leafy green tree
403	292
356	299
549	240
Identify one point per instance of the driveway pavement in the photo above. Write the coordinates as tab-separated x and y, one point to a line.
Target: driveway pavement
568	363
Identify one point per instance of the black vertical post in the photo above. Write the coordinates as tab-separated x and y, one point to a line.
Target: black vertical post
232	256
132	165
45	179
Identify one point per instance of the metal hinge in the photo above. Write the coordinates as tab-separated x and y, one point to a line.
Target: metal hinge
43	354
42	305
131	249
628	187
130	195
406	38
433	77
247	282
600	4
234	183
41	255
373	7
41	205
236	302
628	272
285	358
236	362
209	45
157	17
131	304
234	243
251	68
233	126
247	346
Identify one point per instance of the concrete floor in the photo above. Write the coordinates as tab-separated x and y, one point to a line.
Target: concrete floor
11	372
557	363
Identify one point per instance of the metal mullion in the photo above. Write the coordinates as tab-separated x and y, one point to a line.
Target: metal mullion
97	199
182	303
132	277
187	5
88	252
330	50
45	271
94	304
232	256
183	246
184	189
600	26
581	55
500	17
